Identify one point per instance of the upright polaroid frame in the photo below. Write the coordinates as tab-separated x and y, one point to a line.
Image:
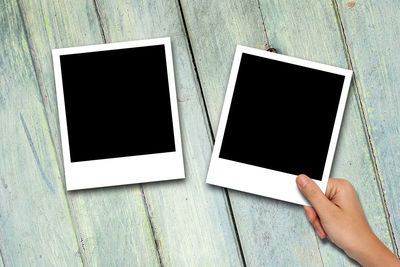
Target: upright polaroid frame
122	170
258	180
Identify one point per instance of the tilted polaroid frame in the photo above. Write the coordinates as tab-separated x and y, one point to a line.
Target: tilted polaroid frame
123	170
258	180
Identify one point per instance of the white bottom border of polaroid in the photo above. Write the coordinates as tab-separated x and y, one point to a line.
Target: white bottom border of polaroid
124	170
258	181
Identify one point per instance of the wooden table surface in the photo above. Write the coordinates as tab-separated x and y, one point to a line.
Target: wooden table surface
189	223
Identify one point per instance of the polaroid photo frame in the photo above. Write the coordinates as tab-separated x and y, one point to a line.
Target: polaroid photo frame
281	118
118	113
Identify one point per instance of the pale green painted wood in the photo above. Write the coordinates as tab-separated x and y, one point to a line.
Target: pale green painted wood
191	221
111	224
294	30
215	28
35	224
2	251
114	227
372	34
268	229
310	30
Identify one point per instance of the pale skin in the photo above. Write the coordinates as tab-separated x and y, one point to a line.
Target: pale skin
338	216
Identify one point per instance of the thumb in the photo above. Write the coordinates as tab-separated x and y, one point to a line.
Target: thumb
313	193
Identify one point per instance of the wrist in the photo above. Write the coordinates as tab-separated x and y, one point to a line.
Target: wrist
372	252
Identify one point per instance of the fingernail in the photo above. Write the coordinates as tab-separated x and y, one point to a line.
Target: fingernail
302	180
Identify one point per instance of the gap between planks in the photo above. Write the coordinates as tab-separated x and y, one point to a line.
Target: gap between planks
71	213
367	130
3	256
153	232
212	136
268	46
145	202
79	239
228	201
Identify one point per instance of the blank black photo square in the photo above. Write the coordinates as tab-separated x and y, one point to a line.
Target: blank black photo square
281	116
117	103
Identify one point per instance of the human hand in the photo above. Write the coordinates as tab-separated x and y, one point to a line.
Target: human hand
338	215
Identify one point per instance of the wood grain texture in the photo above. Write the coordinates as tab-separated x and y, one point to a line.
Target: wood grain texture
35	225
217	27
262	223
372	35
188	223
112	227
310	33
191	222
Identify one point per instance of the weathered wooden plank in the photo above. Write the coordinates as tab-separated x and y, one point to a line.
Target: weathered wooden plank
266	233
112	225
217	27
308	32
372	38
35	225
190	220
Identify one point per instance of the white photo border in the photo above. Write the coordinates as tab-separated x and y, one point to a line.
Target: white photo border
258	180
122	170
